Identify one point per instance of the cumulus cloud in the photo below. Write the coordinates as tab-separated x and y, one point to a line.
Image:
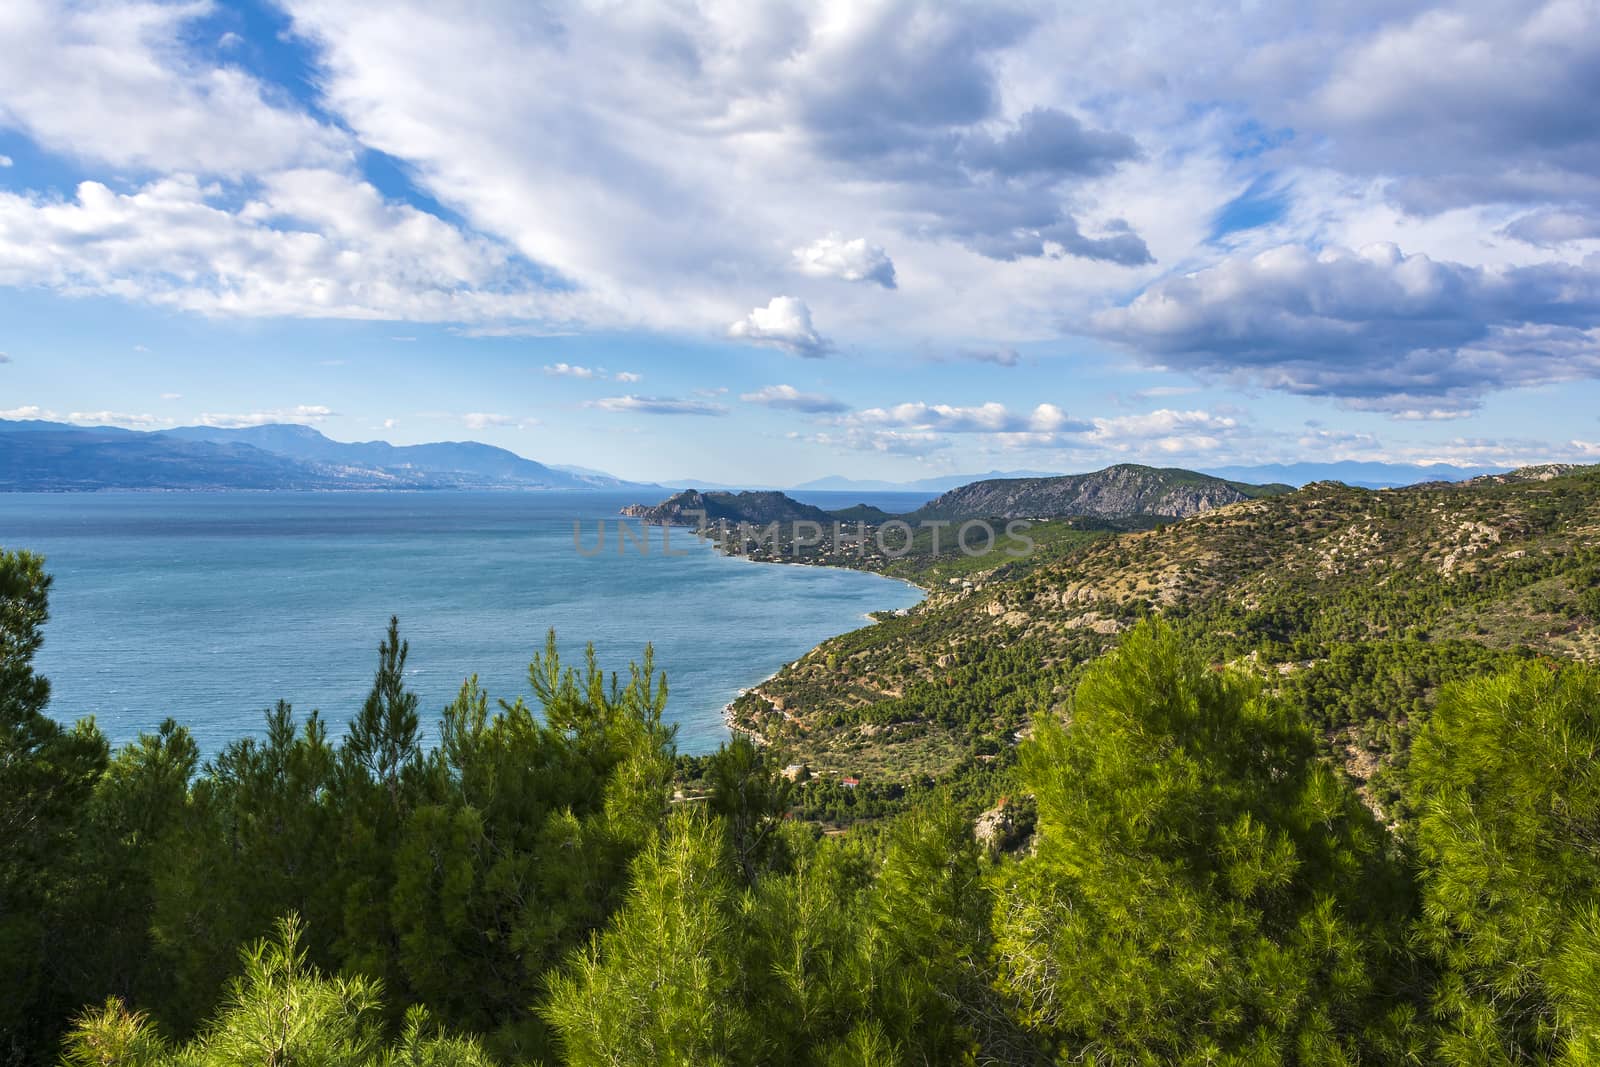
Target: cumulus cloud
784	323
304	414
28	411
568	370
313	244
851	261
1377	329
984	418
657	405
1163	432
792	399
1026	164
627	377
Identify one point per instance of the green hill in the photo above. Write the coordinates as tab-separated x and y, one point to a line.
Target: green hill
1358	602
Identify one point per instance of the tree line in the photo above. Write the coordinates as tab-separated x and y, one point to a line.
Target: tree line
1202	886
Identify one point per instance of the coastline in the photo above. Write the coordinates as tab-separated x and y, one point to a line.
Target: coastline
728	720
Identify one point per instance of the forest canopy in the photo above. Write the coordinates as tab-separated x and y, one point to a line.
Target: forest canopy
1200	885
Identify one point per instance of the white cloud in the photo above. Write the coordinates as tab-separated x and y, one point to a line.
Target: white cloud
1163	432
5	357
568	370
673	167
111	81
119	418
1553	227
304	414
482	420
627	377
851	261
313	244
5	161
90	418
885	442
792	399
171	396
1377	329
389	424
784	323
984	418
657	405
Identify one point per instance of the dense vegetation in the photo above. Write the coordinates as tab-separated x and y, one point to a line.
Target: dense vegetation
1183	875
1357	605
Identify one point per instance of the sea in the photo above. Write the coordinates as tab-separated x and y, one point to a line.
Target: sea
210	607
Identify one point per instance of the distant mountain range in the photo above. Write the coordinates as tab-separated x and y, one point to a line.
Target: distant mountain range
54	456
1124	491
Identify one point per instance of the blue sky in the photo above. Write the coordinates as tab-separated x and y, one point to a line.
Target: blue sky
764	243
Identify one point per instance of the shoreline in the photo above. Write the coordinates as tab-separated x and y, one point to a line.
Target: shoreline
727	709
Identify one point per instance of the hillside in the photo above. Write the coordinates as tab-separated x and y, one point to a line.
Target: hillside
1120	491
758	507
1356	602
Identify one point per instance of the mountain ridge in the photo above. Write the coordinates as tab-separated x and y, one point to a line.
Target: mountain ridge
53	456
1119	491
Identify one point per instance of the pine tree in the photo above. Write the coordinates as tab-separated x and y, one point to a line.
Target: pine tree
383	737
1205	889
47	776
1505	782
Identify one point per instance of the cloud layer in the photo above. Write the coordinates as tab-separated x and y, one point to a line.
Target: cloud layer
1221	190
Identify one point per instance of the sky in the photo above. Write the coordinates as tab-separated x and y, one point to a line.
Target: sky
767	242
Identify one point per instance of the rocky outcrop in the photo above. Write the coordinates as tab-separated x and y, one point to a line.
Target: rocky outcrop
691	506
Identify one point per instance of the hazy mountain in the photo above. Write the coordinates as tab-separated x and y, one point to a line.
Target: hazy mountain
43	455
464	463
37	458
1127	489
1351	472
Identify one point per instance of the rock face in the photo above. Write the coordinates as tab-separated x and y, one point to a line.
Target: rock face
994	829
1125	490
688	507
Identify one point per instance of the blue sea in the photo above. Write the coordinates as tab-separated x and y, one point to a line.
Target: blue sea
210	607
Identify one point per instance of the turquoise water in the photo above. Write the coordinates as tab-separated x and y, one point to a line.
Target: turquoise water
209	607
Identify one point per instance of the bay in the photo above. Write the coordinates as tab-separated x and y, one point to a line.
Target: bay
210	607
